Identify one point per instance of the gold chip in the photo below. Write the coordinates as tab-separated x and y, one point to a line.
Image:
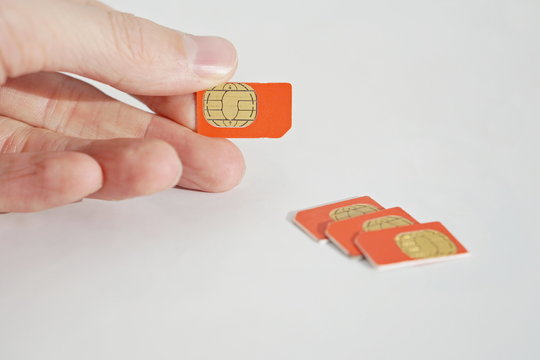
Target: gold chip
230	105
385	222
423	244
350	211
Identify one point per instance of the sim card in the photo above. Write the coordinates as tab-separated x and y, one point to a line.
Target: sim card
314	221
245	110
343	233
409	245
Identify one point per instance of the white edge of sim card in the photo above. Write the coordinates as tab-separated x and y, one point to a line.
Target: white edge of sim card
341	248
410	263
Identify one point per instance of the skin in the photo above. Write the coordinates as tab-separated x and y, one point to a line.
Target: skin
62	140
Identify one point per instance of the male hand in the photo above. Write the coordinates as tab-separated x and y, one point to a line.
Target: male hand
62	140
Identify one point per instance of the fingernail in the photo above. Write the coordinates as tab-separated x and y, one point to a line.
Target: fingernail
210	57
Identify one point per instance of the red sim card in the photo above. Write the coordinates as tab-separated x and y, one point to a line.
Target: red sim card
409	245
314	221
245	110
343	233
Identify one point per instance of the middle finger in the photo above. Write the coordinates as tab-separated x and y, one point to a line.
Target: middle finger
71	107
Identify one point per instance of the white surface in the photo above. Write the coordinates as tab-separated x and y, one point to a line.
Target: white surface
433	106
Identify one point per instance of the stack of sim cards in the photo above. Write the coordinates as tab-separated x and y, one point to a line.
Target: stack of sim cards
387	238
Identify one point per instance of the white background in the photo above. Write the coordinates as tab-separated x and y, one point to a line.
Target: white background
429	105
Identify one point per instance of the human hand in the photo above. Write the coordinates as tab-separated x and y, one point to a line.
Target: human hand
62	140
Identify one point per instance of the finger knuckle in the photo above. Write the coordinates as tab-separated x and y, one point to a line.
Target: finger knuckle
129	34
14	138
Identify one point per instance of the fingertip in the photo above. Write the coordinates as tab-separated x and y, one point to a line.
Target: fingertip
159	167
210	164
213	59
231	168
224	168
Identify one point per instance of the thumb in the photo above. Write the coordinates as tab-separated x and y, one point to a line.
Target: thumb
130	53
